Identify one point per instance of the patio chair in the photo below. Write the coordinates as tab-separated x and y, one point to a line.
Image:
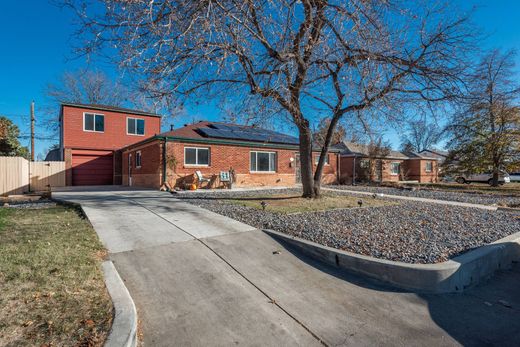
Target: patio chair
201	179
225	179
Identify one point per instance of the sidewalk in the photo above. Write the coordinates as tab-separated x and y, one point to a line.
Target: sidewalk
412	198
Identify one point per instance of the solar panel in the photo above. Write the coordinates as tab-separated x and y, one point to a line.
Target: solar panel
237	132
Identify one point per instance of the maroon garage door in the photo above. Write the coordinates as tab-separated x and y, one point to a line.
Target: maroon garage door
92	168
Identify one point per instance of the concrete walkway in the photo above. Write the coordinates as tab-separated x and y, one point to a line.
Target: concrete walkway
201	279
413	198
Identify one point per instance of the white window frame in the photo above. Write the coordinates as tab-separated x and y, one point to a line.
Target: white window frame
197	156
364	163
392	168
268	152
138	158
317	159
135	121
426	166
94	114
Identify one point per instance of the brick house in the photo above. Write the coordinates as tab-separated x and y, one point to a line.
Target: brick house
91	137
358	162
257	156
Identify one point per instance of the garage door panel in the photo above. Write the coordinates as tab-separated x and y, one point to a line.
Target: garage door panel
92	169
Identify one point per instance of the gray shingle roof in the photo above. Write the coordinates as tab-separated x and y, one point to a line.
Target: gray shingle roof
361	150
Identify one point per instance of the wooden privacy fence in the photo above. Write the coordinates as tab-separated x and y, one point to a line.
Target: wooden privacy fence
18	175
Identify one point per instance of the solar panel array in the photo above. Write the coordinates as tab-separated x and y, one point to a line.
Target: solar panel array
236	132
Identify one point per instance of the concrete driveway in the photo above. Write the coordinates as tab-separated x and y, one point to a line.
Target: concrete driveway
201	279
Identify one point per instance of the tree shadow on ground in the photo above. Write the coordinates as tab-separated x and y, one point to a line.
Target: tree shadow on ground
487	314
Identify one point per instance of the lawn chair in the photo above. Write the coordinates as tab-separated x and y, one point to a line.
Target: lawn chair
201	179
225	179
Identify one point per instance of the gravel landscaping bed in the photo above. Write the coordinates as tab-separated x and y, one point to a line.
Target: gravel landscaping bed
410	232
469	197
44	203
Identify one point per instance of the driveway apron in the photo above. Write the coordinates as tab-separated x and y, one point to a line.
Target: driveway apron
201	279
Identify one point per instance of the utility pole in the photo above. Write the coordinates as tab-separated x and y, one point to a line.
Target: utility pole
32	131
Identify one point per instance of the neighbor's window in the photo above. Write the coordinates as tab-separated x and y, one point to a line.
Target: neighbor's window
93	122
263	161
394	168
138	159
364	163
317	159
135	126
196	156
428	167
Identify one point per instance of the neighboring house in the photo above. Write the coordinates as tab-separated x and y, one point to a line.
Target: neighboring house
361	163
435	153
258	157
92	135
53	155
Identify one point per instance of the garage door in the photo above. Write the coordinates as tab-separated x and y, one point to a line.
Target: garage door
93	168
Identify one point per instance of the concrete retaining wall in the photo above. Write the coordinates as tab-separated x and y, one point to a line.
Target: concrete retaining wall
454	275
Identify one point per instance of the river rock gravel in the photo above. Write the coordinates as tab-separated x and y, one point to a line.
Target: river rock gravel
410	232
469	197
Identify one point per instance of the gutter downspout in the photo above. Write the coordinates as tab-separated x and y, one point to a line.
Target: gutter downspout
354	172
164	162
338	168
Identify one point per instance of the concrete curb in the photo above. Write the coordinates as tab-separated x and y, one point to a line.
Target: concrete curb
454	275
124	325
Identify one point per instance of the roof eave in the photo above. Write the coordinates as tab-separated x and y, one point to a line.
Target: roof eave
135	112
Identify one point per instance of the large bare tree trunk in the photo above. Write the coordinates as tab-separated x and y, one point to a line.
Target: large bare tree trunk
306	163
323	154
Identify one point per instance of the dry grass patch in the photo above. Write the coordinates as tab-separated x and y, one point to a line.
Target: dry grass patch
285	203
52	288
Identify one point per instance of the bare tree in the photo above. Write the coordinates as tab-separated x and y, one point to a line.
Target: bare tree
86	87
320	134
339	57
421	135
95	87
486	128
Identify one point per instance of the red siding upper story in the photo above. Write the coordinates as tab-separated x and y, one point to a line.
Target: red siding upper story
115	134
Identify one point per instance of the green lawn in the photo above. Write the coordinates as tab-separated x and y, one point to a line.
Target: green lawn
297	204
52	289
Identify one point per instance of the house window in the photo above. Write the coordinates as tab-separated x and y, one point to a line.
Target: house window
263	161
429	166
317	159
135	126
196	156
364	163
394	168
93	122
138	159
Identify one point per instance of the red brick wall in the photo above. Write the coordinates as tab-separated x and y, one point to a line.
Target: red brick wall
411	169
67	157
114	136
225	157
387	172
329	174
346	170
417	171
222	158
150	172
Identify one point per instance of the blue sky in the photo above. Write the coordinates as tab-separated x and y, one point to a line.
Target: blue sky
35	37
